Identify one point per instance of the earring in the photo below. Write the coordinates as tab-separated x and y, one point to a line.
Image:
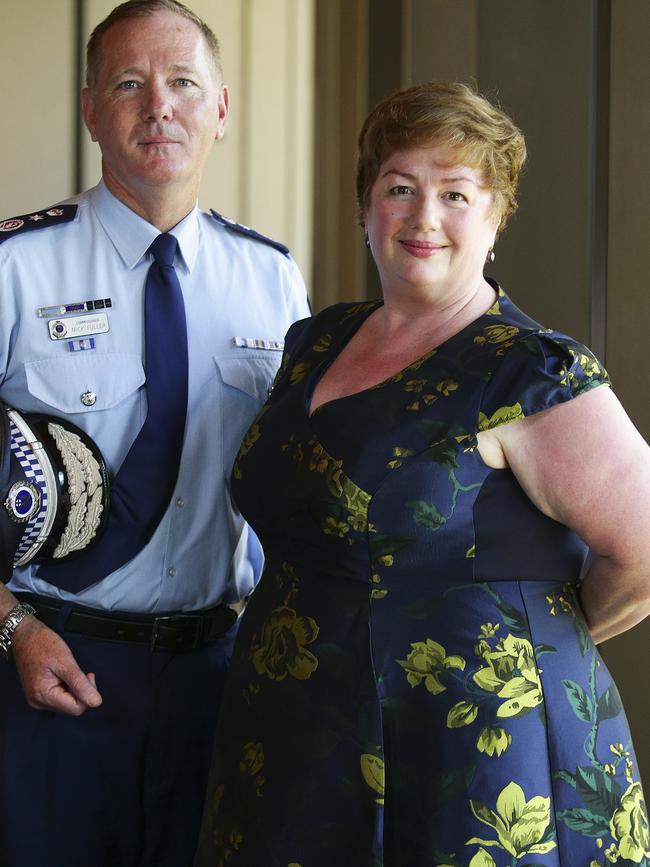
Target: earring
491	256
366	241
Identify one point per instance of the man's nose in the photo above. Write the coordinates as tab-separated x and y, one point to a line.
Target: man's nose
157	104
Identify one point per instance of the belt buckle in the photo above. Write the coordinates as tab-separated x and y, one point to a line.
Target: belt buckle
176	618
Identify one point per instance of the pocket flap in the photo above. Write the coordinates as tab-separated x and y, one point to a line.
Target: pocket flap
60	382
252	374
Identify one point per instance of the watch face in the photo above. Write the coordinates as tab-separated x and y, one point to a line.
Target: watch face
23	502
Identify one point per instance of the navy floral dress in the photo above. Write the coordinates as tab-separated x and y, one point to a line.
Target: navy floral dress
413	683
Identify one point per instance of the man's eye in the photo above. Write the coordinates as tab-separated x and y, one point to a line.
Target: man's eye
184	82
127	85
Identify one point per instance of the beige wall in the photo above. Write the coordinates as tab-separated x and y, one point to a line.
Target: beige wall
260	173
37	45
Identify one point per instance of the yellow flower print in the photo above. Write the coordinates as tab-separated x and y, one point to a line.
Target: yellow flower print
252	436
236	838
446	386
497	334
372	769
252	759
522	827
358	308
323	344
426	661
512	674
629	825
482	647
332	527
463	713
415	385
420	361
503	415
376	593
495	309
493	740
299	372
282	649
482	859
387	560
398	453
357	522
319	459
471	552
488	630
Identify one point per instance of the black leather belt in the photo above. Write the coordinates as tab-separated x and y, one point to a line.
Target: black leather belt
170	632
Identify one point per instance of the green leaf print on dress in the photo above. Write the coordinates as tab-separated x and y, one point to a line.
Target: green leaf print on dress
612	800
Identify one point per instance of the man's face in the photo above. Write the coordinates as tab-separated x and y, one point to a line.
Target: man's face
156	105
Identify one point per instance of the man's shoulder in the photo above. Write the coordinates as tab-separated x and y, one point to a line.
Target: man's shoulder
244	233
55	215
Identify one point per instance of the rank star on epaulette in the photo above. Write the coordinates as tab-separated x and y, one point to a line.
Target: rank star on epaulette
38	220
248	232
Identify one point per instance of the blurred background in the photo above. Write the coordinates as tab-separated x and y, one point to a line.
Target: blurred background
574	74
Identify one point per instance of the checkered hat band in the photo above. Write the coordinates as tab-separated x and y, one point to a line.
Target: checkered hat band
23	453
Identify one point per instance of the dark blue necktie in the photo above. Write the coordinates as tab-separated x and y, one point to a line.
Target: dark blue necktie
145	482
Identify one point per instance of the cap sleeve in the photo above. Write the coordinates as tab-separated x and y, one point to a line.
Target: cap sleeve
537	372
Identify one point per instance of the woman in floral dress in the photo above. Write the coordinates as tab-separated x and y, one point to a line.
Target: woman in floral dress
415	681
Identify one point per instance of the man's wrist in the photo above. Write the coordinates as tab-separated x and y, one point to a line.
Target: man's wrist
8	626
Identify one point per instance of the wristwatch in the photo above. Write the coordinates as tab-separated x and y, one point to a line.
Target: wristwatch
9	625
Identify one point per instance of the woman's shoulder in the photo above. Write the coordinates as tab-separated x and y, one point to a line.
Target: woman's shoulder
319	328
534	367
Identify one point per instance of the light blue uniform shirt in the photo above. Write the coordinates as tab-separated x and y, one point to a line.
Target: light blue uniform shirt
233	287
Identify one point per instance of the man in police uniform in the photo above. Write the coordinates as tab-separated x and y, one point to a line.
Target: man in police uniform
105	729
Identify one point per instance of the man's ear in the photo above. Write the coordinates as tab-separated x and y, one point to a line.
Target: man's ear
223	105
88	109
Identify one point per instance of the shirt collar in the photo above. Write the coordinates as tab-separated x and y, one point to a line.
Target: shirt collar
132	235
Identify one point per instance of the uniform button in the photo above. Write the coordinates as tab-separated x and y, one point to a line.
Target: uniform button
171	571
88	398
180	502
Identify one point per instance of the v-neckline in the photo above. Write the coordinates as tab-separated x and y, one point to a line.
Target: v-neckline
319	371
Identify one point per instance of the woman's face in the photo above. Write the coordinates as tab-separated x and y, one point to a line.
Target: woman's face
430	223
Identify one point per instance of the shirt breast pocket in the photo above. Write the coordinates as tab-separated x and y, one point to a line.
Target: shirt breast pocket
75	386
246	381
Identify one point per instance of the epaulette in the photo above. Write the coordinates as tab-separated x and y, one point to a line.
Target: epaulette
250	233
38	220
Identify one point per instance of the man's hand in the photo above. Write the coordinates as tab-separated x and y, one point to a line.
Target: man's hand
49	674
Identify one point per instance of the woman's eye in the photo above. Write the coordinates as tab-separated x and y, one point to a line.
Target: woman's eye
456	197
400	190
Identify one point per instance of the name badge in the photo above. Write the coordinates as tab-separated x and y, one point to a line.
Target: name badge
79	326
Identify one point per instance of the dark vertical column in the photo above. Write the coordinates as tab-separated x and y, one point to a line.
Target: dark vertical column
598	202
385	66
536	57
341	100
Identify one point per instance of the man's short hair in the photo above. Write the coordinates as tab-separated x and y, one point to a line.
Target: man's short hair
141	9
